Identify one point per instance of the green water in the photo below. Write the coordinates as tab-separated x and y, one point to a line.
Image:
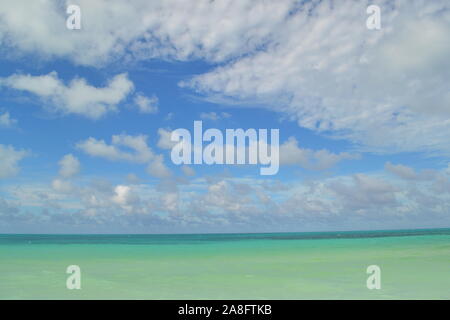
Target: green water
414	265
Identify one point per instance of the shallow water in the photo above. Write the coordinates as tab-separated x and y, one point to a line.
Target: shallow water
415	264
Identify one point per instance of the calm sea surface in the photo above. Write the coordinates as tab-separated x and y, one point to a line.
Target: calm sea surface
415	264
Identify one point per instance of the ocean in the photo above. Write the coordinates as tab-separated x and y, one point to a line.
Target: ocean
414	264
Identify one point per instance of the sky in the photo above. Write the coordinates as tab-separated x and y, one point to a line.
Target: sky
86	115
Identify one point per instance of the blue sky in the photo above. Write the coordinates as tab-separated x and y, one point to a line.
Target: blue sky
85	115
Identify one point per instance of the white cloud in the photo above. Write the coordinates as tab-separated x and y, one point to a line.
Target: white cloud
292	154
331	74
9	159
122	194
402	171
214	116
158	169
118	151
364	201
363	194
315	62
164	141
69	166
77	97
6	121
145	104
63	186
99	148
408	173
125	197
214	30
170	201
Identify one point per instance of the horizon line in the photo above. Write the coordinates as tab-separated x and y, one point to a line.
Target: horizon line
233	233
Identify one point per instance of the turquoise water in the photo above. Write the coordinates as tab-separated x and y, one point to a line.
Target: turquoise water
415	264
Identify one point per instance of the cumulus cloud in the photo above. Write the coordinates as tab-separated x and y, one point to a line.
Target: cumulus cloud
145	104
164	141
364	201
125	197
62	185
292	154
118	150
364	193
9	160
99	148
6	121
76	97
157	168
122	194
402	171
69	166
408	173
